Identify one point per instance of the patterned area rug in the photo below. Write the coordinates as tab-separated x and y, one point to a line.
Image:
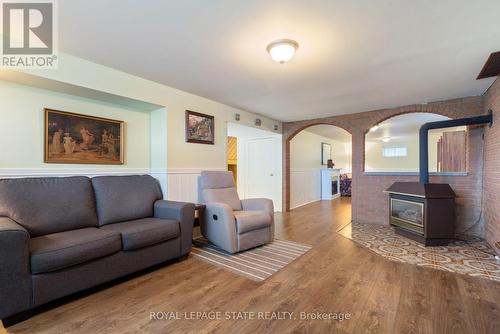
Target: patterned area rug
257	263
474	257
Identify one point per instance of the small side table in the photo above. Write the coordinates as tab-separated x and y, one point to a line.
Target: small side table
198	212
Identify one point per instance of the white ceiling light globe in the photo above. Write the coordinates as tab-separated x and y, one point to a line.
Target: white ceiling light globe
282	50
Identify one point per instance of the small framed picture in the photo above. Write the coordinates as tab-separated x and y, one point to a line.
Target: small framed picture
81	139
199	128
326	153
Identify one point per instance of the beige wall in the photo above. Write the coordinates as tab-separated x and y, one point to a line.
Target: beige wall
189	155
305	151
22	126
305	165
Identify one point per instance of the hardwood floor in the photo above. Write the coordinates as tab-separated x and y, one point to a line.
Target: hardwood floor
337	275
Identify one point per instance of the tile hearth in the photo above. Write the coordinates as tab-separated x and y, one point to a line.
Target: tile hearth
474	257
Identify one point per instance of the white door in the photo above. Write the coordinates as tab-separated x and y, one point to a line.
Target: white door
263	169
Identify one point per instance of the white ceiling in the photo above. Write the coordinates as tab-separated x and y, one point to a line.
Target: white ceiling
399	128
330	131
406	127
354	55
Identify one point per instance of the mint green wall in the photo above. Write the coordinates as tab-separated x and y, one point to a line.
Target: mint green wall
22	127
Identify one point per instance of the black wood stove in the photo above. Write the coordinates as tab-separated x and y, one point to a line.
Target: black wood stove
425	211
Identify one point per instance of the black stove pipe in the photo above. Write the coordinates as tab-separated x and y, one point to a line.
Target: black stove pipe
424	138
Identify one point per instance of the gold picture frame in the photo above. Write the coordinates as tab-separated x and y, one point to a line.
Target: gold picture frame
72	138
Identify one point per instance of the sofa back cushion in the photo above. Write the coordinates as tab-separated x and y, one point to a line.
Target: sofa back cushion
123	198
49	204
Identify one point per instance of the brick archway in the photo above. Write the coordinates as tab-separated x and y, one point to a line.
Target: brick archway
286	155
297	131
358	124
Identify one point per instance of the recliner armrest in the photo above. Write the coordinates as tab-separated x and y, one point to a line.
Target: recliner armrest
182	212
258	204
219	212
15	275
219	226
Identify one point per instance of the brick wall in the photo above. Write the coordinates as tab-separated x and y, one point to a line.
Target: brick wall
492	166
369	202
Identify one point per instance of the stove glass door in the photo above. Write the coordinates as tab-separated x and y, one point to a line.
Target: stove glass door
407	211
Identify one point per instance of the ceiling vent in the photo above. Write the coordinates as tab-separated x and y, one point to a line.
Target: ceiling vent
492	66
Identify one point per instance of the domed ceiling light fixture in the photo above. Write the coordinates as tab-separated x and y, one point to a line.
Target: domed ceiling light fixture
282	50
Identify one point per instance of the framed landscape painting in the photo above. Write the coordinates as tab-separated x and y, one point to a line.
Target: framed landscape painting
80	139
199	128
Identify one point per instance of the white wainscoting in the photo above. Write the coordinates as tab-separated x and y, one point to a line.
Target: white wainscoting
183	184
90	172
177	184
160	175
305	186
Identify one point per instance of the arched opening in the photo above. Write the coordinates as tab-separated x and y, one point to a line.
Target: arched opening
312	177
392	146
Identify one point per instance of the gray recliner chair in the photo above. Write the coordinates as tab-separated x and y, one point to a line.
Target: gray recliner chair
229	223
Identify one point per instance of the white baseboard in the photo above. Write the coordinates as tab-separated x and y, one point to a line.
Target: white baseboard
302	204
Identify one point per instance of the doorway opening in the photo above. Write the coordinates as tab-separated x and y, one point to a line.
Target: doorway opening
254	157
320	165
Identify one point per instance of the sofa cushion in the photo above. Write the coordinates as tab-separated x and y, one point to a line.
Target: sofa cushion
65	249
123	198
144	232
251	220
48	205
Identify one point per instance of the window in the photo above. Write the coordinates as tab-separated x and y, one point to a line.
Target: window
392	152
393	145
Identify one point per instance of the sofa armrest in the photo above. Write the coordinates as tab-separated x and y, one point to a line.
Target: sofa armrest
15	276
218	225
184	214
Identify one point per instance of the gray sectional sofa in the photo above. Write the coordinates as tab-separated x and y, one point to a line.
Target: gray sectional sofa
62	235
